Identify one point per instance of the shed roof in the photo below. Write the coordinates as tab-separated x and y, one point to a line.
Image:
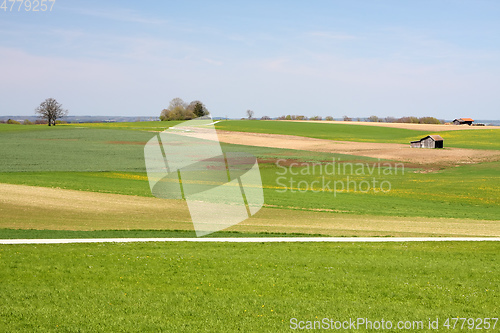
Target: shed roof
435	137
467	119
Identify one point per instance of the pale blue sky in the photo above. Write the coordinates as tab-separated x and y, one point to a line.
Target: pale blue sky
355	58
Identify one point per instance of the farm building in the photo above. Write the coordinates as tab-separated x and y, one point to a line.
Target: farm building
463	121
430	141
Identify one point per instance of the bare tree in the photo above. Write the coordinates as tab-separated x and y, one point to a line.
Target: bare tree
51	110
177	102
250	114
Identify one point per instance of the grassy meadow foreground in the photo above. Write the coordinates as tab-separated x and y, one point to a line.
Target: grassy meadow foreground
241	287
89	180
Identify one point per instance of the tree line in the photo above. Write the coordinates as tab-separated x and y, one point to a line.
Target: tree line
409	119
29	122
50	110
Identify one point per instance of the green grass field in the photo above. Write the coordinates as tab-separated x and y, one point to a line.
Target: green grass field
71	148
470	191
133	126
412	194
477	139
111	161
241	287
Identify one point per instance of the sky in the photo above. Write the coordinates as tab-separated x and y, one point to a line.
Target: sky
329	58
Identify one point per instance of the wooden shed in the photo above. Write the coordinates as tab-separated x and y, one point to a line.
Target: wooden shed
463	121
430	141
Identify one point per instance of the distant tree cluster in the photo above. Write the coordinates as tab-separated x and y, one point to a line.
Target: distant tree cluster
10	121
28	122
180	110
300	117
414	120
293	117
421	120
408	120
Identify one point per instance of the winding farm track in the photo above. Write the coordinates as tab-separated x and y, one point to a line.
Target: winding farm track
418	127
389	151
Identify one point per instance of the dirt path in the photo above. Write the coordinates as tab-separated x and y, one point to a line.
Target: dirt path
391	151
419	127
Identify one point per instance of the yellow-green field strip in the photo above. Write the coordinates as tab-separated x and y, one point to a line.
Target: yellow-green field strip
254	240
